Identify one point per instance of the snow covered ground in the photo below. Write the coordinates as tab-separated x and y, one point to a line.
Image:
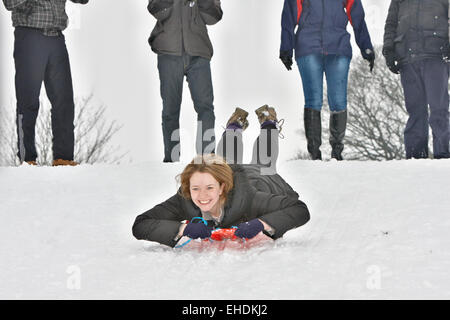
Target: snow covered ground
378	230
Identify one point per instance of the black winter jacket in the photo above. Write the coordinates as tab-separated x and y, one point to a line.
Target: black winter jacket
181	27
268	198
416	29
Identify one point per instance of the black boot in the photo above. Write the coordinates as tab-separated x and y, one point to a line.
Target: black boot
313	132
338	123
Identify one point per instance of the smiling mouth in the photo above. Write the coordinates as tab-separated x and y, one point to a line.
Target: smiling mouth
204	202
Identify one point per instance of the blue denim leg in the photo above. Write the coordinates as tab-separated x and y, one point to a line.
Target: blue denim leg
311	69
336	71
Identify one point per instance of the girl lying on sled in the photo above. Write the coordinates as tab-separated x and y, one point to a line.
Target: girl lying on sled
216	195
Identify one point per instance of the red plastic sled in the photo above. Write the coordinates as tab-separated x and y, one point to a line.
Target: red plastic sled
222	239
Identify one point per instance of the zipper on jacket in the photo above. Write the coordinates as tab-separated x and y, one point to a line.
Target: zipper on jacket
183	48
419	7
419	29
321	27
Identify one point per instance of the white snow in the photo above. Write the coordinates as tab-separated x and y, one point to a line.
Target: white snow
377	230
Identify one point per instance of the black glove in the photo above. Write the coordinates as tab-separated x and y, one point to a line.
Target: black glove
205	4
391	63
286	58
370	56
249	229
196	230
159	6
446	53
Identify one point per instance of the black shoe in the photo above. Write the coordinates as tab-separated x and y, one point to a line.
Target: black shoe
313	132
169	159
338	124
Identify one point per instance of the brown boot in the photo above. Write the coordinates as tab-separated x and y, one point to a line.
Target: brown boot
239	117
268	115
61	162
31	163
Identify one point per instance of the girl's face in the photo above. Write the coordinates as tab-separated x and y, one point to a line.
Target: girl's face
205	192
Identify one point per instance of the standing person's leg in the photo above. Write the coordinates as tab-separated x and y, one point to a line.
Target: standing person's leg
200	84
265	147
171	75
435	76
230	146
311	71
30	57
336	71
416	130
58	84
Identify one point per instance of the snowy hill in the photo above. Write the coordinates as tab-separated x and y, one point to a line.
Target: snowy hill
377	230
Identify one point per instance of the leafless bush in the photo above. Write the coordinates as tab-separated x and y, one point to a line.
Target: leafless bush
93	135
377	114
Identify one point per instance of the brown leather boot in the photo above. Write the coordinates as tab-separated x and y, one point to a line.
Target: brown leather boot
32	163
266	113
268	116
239	117
61	162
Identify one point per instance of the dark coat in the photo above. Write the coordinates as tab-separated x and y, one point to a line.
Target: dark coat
322	27
40	14
416	29
181	27
253	195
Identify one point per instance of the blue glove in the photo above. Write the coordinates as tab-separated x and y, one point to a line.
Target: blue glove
197	230
249	229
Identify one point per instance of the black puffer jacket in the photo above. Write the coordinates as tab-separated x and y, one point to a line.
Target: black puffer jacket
254	195
416	29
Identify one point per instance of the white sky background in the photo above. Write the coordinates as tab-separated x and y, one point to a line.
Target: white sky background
110	57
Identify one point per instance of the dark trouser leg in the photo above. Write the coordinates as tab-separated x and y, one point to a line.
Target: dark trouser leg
58	84
30	57
200	84
416	131
435	79
171	74
230	146
265	149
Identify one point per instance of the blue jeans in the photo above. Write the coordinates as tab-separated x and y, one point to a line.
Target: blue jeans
336	67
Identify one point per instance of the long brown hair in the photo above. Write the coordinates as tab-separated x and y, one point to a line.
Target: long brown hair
207	163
